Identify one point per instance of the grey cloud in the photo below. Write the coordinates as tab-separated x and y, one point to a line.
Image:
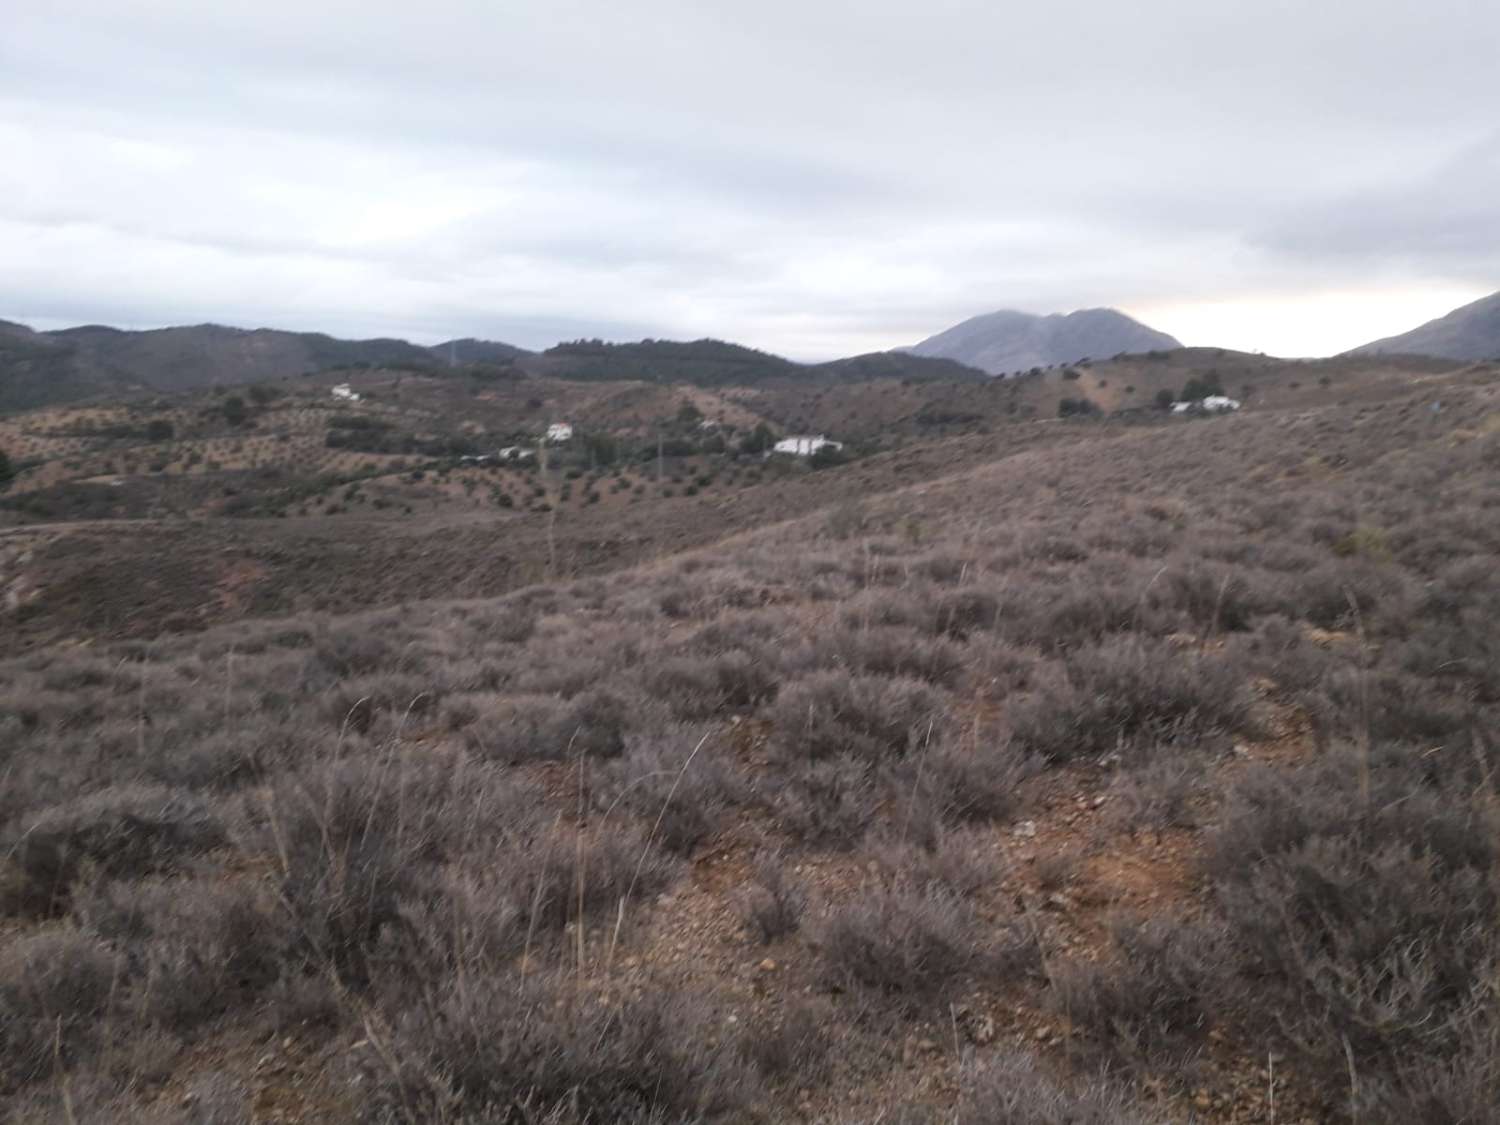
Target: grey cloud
803	175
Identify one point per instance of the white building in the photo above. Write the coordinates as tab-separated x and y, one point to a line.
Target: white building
1213	404
514	453
805	446
559	432
345	392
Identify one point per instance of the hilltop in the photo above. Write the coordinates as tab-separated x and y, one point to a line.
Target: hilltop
1469	332
1012	342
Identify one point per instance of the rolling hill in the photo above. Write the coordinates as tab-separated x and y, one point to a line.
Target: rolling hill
52	368
45	368
1470	332
1009	341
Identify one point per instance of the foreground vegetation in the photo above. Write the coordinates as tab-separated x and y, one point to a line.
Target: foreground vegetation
1132	781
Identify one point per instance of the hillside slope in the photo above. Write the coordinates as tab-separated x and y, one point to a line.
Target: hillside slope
1008	341
1469	332
1050	788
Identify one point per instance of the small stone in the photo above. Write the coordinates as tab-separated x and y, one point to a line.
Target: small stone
1099	800
981	1030
1041	1034
768	966
1025	830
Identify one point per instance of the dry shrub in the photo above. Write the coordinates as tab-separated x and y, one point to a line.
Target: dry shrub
832	713
971	785
1157	794
826	803
55	989
1008	1088
1125	690
540	1051
957	863
1154	1004
1360	897
792	1045
546	728
915	943
194	951
697	687
128	831
772	906
679	794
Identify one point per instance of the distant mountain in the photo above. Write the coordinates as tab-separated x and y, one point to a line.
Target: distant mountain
1007	341
40	368
1470	332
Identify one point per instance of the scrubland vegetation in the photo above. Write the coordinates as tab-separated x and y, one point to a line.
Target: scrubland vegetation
1152	779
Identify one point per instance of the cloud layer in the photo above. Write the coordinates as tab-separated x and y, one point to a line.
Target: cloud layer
816	178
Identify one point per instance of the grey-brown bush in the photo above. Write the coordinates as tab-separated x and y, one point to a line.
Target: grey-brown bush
538	1052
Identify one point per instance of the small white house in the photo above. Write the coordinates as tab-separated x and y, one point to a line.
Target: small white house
805	446
346	392
1213	404
559	432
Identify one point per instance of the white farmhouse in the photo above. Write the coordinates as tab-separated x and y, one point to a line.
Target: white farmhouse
346	392
805	446
559	432
1213	404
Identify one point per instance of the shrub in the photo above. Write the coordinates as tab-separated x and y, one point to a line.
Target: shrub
972	784
54	990
541	1051
1153	1006
826	803
908	943
833	713
195	951
1360	896
679	793
1008	1088
772	906
1123	691
129	831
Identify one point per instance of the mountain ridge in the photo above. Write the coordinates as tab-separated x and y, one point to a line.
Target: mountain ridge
1009	341
1470	331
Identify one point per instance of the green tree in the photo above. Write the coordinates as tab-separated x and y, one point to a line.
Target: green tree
159	429
235	411
1199	387
7	472
1165	398
758	440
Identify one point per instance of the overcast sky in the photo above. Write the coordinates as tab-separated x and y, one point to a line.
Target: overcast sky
812	177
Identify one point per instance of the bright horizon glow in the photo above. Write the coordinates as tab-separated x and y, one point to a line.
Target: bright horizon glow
1304	325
